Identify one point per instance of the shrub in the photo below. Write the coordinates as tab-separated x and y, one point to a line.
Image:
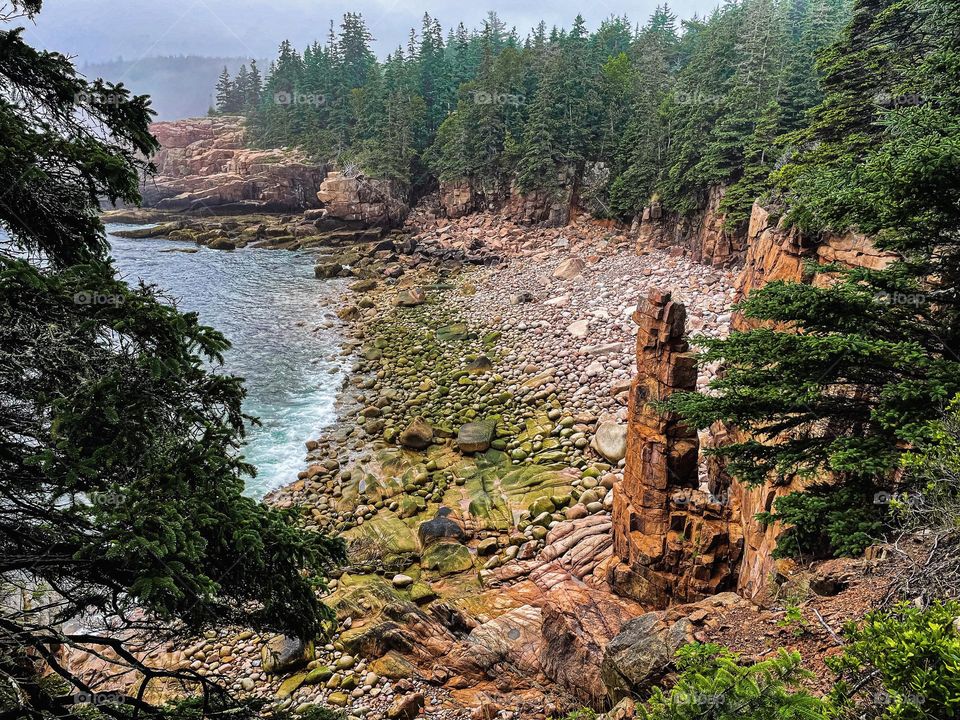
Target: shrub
827	520
901	664
933	477
713	684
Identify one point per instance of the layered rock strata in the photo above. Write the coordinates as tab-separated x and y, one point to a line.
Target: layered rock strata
702	236
204	166
459	198
675	542
360	201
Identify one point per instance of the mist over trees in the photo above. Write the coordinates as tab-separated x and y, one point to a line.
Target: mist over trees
179	86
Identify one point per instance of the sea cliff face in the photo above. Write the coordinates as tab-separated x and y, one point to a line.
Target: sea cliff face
205	166
680	534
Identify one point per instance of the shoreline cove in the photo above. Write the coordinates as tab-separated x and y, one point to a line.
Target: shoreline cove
285	334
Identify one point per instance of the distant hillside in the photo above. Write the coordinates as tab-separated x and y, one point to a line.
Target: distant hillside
181	86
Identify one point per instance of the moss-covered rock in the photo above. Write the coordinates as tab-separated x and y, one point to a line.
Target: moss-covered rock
447	558
418	434
422	593
475	437
411	505
452	332
393	666
318	675
289	686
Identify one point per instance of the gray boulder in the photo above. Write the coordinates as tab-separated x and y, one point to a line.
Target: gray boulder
611	441
642	654
444	526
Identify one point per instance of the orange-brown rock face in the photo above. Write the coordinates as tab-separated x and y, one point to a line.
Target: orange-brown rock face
702	236
675	543
203	165
775	253
363	201
458	199
543	206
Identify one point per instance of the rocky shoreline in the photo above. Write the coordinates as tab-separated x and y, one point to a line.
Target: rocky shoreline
480	435
482	428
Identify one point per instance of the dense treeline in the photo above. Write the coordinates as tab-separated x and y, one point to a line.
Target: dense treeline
664	109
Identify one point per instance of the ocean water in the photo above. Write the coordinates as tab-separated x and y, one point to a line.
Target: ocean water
270	306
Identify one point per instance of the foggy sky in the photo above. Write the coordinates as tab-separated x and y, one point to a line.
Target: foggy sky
97	30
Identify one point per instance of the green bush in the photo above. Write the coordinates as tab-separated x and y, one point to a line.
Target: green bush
901	664
713	684
827	520
580	714
933	477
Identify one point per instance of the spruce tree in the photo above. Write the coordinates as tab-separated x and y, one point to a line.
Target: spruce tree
121	478
226	93
843	375
254	87
642	152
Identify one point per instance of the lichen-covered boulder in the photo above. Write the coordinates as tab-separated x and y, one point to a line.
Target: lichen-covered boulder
282	653
642	653
447	558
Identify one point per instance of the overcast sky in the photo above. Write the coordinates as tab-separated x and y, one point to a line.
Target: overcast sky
96	30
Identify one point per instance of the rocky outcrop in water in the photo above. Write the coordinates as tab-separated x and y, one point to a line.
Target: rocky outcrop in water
204	166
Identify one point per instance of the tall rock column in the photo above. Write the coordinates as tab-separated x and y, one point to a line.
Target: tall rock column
674	541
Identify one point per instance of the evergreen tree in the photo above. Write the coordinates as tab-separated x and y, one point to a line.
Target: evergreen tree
121	478
226	93
753	88
566	115
254	87
642	152
241	88
670	115
846	374
434	80
695	107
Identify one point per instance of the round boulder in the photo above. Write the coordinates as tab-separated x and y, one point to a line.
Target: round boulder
611	441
